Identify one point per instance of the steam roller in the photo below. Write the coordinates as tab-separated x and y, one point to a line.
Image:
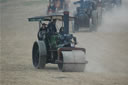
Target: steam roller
57	46
73	61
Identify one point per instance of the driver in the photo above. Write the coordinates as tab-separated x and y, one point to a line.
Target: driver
42	31
52	26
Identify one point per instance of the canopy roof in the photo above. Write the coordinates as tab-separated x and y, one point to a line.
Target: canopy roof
49	18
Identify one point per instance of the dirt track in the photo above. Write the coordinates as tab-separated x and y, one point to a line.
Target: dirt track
107	50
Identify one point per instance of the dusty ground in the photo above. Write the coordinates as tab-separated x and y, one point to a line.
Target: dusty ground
107	49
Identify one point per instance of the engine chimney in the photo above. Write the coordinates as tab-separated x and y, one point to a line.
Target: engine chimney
66	22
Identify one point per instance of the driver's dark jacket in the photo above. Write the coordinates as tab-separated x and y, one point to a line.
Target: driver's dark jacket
52	27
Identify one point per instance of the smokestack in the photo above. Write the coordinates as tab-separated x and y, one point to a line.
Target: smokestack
66	22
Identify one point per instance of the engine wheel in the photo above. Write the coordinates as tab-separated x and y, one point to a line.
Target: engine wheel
39	54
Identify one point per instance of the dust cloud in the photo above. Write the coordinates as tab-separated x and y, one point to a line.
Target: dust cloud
107	48
115	20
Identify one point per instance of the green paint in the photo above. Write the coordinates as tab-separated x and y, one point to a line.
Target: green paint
53	40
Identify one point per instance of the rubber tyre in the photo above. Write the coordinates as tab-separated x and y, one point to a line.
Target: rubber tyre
39	54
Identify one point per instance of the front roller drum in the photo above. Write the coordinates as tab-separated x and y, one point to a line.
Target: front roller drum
39	54
72	61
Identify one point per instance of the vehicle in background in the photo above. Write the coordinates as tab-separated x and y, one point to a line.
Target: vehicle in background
87	15
57	5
